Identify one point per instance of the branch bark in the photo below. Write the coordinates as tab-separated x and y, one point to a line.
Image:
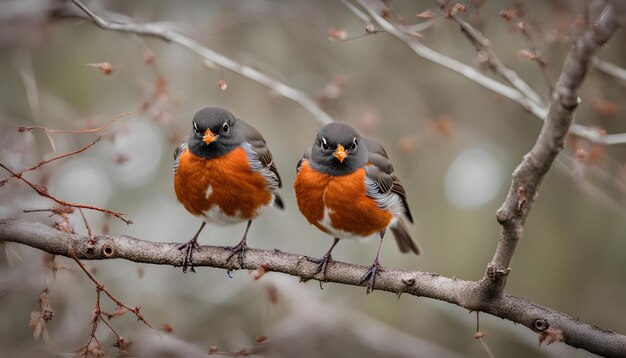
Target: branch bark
528	175
466	294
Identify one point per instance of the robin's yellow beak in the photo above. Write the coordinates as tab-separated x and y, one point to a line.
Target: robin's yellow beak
340	153
209	137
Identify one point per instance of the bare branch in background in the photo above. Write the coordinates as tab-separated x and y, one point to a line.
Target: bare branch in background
483	47
159	31
44	162
42	190
535	55
528	175
81	131
471	73
466	294
611	70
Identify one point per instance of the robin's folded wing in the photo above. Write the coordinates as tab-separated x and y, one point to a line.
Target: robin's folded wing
181	148
259	156
382	184
305	156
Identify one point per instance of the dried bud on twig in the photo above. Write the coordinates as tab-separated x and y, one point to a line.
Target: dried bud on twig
337	34
104	67
42	315
221	84
508	14
459	7
426	14
526	54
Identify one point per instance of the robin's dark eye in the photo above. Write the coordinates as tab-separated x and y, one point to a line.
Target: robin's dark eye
323	144
196	130
354	144
225	127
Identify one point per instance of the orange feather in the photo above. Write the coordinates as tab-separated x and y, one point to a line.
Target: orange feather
235	188
351	210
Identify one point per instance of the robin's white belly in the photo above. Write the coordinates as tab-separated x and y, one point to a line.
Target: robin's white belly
326	222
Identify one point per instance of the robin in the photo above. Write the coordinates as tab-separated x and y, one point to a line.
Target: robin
346	187
224	174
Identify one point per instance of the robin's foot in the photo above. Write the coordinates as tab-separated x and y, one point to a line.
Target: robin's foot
370	276
239	250
322	264
187	249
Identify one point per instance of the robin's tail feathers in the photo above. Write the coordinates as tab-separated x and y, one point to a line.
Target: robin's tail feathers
403	239
278	201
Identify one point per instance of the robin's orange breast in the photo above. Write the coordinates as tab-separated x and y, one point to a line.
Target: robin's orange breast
227	183
338	205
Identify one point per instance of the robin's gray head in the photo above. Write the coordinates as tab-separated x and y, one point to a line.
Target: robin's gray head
338	150
215	132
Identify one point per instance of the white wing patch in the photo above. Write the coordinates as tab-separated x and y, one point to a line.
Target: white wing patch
253	158
388	201
183	147
209	191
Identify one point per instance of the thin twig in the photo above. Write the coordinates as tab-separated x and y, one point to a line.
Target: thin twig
536	55
24	64
156	30
89	232
82	131
483	46
611	70
101	287
43	162
500	88
480	337
43	191
486	348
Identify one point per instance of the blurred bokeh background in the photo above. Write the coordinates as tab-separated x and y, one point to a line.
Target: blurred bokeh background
454	145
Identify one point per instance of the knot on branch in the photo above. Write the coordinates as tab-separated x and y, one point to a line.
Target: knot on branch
521	197
496	275
567	98
94	251
90	252
408	281
501	216
108	250
540	324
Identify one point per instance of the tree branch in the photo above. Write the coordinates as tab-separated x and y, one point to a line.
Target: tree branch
466	294
528	175
158	31
483	46
471	73
611	70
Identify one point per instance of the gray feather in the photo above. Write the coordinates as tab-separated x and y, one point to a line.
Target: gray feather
403	239
181	148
